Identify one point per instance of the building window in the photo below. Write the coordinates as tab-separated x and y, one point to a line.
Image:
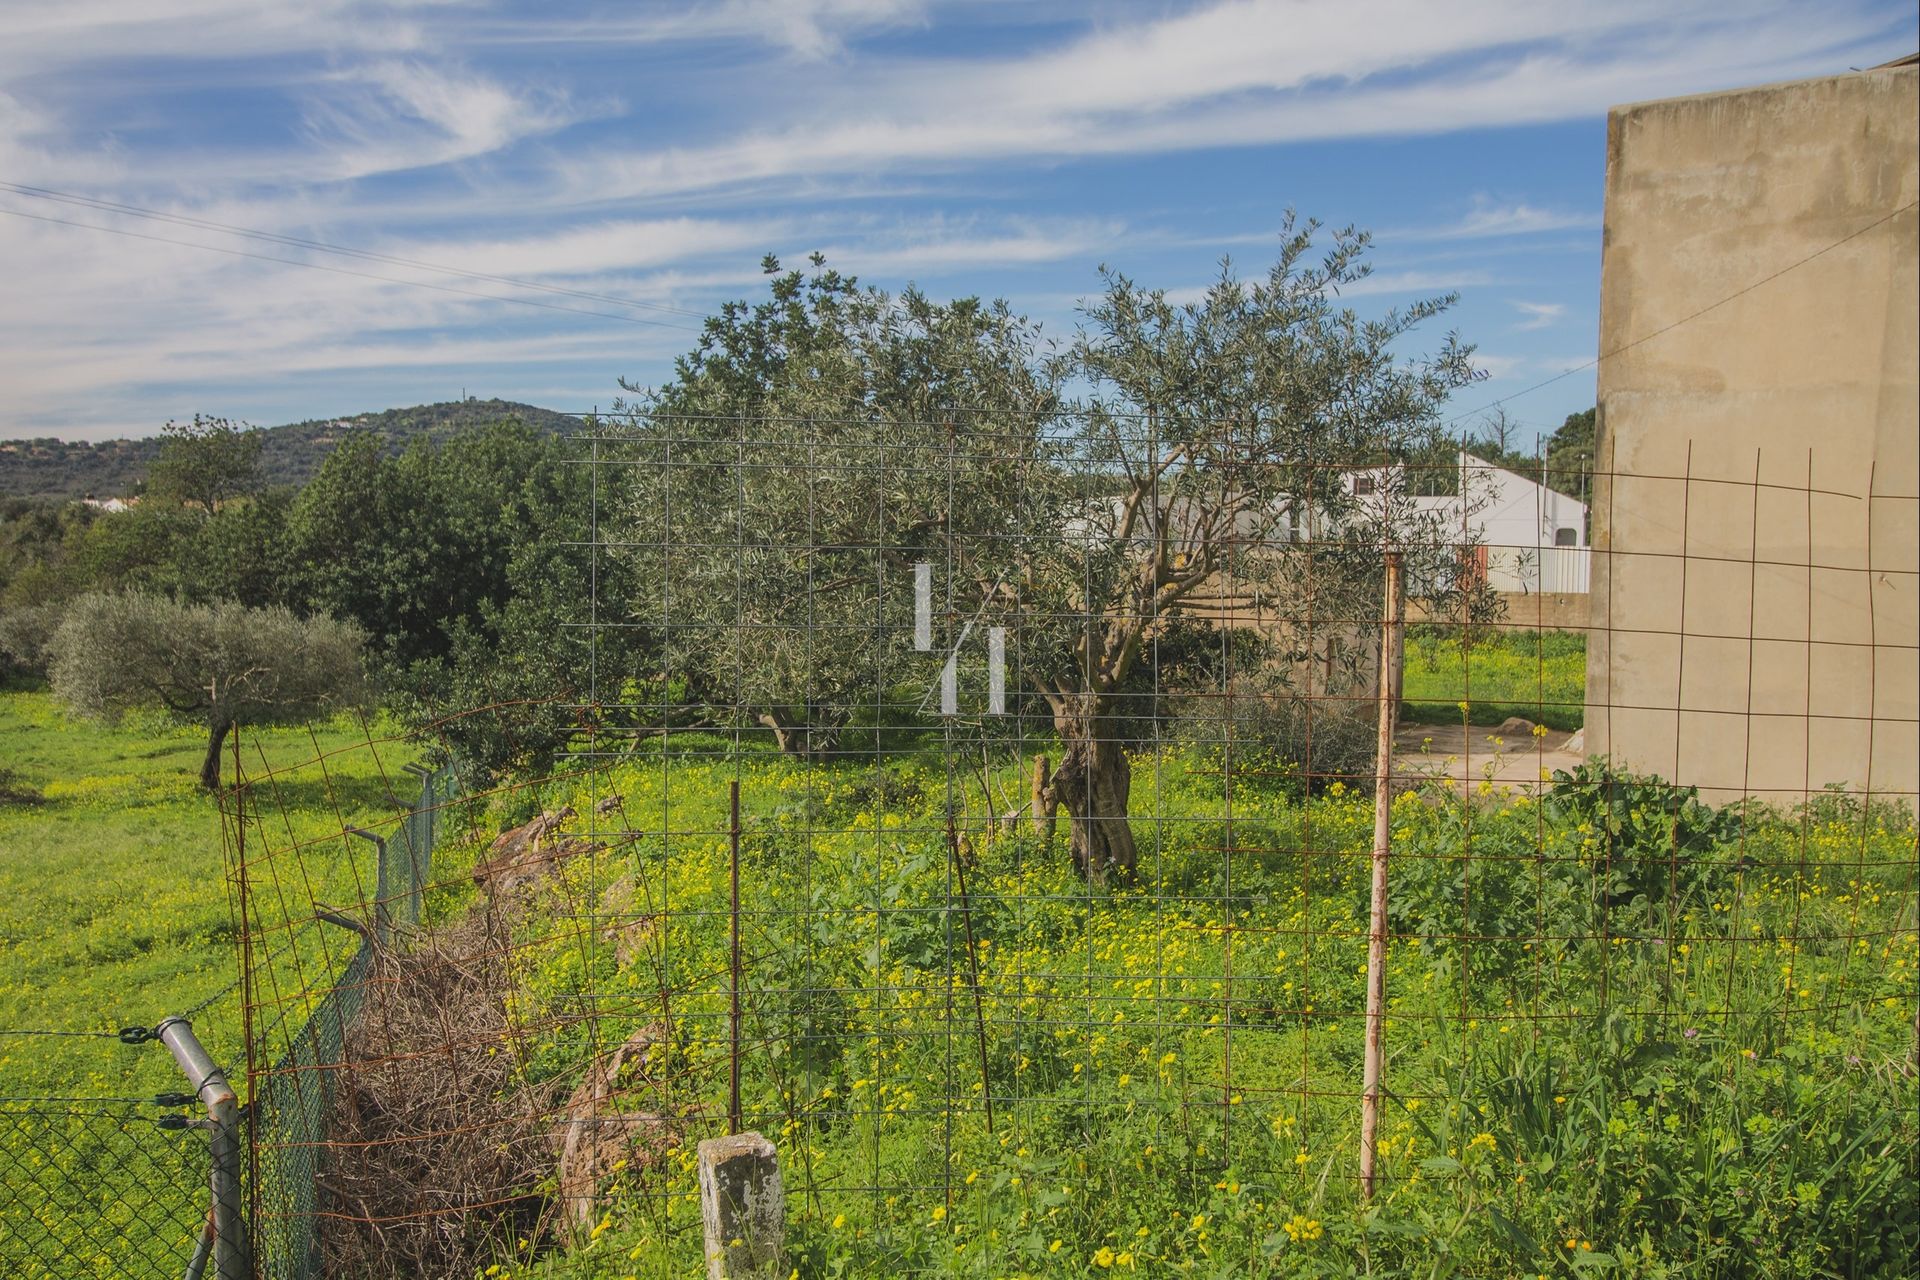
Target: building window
1566	537
1363	486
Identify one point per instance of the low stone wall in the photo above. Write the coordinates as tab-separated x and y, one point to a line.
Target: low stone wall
1529	611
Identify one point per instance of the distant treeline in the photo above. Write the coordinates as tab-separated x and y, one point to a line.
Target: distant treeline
459	557
289	455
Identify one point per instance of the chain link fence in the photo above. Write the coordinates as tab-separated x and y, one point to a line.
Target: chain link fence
300	1044
99	1188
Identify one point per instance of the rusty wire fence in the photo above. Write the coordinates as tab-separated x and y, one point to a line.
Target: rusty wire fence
995	821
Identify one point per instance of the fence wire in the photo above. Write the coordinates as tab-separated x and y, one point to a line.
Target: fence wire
98	1188
1028	965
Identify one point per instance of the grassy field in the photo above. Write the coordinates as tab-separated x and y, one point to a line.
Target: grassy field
115	911
1605	1057
1626	1036
1539	675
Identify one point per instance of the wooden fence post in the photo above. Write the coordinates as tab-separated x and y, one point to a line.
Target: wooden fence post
1393	620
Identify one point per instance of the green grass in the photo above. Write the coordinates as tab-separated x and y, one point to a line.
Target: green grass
1601	1061
116	910
1541	676
1604	1058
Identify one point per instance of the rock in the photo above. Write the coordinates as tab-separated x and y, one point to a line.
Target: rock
594	1135
1577	743
628	928
1515	727
515	858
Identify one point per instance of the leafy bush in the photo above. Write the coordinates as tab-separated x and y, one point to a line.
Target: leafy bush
1308	743
1657	841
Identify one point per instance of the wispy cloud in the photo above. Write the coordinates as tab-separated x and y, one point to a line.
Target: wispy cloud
391	116
1488	218
652	154
1539	315
1254	72
941	249
811	29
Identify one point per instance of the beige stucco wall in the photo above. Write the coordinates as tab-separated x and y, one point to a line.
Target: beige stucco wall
1758	638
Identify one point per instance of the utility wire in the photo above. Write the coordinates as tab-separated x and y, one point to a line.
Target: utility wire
348	271
1625	347
322	246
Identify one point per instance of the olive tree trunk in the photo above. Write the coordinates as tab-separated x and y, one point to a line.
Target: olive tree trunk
210	764
799	734
1093	783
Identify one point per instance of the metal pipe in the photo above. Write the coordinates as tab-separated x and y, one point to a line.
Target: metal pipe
202	1252
383	922
230	1261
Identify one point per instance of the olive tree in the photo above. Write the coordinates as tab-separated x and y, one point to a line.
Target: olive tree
804	457
817	446
217	666
1218	439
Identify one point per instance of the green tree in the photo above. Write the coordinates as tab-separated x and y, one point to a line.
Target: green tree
805	456
1213	431
520	675
217	666
204	463
1569	461
818	445
410	547
469	565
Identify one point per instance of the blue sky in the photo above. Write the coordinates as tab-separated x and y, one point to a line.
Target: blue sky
648	155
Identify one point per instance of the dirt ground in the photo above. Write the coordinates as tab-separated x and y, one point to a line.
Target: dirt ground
1509	759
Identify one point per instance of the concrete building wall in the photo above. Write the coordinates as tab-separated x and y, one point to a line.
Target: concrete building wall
1758	338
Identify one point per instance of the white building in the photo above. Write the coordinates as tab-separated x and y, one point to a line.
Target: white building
1527	539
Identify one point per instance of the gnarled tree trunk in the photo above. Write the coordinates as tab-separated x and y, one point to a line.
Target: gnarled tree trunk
1093	782
800	734
210	764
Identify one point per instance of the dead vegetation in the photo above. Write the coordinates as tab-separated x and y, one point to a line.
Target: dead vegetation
442	1156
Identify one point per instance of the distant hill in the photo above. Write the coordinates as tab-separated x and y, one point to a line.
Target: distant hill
290	454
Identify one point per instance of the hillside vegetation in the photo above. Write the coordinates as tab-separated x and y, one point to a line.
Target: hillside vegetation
291	454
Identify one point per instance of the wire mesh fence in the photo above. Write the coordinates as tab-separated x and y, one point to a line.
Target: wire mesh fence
300	1009
99	1187
988	814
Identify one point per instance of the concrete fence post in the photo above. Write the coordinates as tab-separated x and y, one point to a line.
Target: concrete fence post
227	1227
743	1208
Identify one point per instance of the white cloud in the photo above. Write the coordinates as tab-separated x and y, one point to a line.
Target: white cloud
613	245
1424	282
390	116
923	253
1250	72
1539	315
1488	218
44	39
409	127
810	29
1499	368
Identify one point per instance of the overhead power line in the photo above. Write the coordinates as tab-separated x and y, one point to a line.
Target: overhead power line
322	246
348	271
1625	347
